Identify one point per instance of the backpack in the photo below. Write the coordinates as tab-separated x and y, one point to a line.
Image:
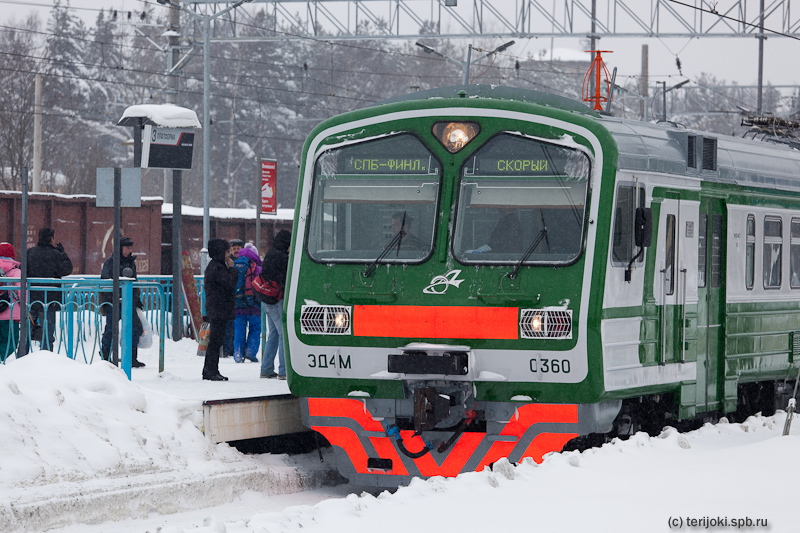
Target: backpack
5	294
244	282
269	292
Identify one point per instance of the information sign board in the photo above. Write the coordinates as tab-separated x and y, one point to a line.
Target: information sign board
167	147
269	186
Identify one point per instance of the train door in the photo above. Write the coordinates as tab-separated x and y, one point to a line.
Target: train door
675	282
711	301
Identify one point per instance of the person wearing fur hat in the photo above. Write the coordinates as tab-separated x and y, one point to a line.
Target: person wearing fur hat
219	283
273	268
127	269
9	299
47	260
247	335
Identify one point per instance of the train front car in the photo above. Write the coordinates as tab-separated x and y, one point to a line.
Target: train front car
442	297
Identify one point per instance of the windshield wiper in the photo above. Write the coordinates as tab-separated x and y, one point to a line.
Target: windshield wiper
536	241
396	240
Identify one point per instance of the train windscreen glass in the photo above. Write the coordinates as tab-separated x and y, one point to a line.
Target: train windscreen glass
374	199
521	199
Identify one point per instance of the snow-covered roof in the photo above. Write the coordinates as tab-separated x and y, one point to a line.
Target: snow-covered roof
566	54
163	115
229	212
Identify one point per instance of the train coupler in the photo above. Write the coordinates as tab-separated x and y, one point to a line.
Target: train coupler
470	417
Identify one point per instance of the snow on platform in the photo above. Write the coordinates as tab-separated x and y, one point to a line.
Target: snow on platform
183	370
244	407
84	445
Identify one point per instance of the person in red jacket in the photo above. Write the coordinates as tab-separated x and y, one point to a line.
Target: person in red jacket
9	298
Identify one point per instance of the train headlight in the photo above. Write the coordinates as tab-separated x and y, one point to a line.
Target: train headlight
455	135
545	323
537	323
325	320
341	320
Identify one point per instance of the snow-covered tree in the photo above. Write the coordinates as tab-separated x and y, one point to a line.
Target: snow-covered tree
18	67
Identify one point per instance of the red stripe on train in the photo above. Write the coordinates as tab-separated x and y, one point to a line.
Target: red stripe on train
460	453
436	322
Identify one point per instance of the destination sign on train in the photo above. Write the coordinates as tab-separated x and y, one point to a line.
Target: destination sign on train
388	165
495	166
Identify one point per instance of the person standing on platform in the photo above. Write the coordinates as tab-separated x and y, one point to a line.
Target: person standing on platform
46	260
127	269
230	328
273	268
247	337
220	286
9	302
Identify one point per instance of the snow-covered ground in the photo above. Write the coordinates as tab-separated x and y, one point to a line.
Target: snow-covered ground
84	450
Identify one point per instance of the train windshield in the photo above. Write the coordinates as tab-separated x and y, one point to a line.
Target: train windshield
374	201
521	199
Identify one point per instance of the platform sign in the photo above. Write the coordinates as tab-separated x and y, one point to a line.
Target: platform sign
269	186
167	147
131	190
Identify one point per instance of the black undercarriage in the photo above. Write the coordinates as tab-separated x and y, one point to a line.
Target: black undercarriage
651	414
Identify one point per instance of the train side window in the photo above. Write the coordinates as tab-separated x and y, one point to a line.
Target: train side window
716	251
773	246
669	257
702	250
794	255
623	249
750	253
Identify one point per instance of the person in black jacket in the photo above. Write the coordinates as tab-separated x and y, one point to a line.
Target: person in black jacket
127	269
46	260
273	268
227	344
220	288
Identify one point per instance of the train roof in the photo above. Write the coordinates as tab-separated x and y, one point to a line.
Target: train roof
497	92
668	147
658	147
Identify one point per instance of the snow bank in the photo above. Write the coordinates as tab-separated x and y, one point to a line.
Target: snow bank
83	444
725	471
87	451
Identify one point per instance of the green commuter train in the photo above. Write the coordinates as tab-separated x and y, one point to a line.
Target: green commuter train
482	272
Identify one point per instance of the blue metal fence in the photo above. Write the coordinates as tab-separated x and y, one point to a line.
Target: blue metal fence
80	317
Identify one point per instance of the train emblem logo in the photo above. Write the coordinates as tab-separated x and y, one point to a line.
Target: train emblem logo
439	284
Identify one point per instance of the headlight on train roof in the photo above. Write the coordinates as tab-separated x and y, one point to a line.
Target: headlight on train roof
545	324
325	320
455	135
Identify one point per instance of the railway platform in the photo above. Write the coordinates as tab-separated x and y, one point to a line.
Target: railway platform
245	407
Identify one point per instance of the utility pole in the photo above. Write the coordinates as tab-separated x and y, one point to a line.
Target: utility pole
466	65
206	20
37	136
176	192
173	81
644	82
761	40
593	42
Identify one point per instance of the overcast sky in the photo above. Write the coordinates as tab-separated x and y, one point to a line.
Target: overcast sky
731	59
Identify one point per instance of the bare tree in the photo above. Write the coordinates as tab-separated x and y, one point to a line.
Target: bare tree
18	67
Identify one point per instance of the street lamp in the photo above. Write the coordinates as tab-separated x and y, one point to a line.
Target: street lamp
664	96
465	64
206	116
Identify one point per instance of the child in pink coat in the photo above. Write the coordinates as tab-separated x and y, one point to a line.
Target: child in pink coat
9	317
